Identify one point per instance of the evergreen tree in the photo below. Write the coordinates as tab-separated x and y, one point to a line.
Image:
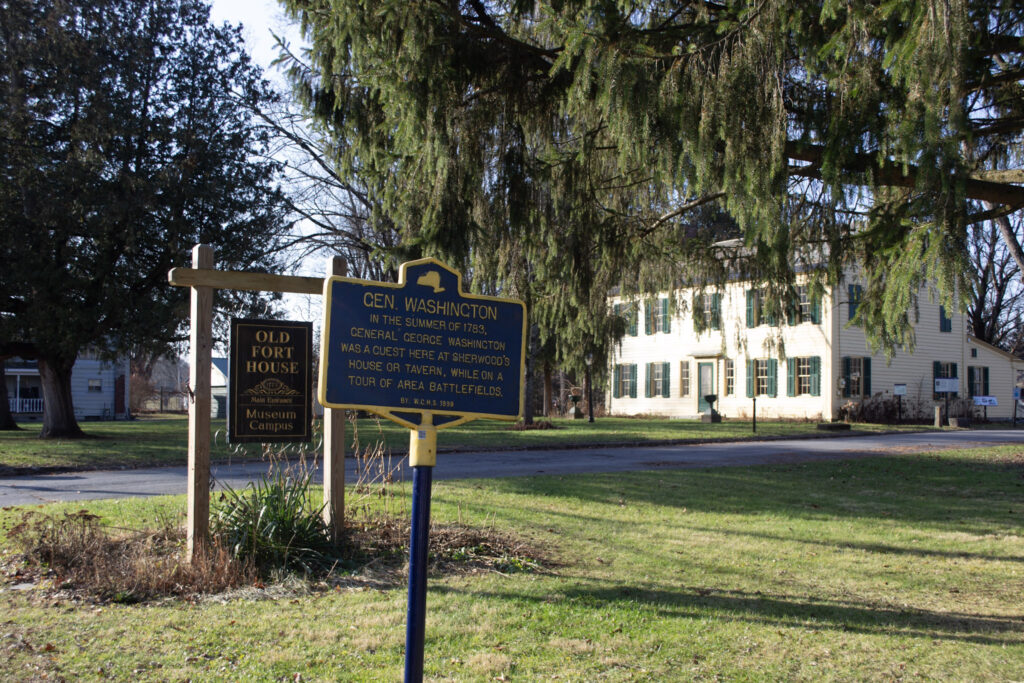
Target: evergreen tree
578	136
124	140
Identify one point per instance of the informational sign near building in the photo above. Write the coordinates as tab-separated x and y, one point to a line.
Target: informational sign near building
947	385
428	356
986	401
270	394
421	346
899	390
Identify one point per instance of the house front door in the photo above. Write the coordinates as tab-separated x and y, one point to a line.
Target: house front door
705	384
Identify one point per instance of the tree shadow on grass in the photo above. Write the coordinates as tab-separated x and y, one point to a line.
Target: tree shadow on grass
880	548
784	611
943	490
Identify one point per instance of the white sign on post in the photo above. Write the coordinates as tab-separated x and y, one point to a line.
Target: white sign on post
986	401
899	390
947	385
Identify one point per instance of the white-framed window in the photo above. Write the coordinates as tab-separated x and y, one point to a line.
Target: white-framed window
656	380
730	377
977	380
803	375
804	305
856	376
656	316
684	378
761	376
707	311
942	370
854	295
624	381
96	385
627	312
805	308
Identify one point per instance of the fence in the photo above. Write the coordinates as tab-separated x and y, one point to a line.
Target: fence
25	405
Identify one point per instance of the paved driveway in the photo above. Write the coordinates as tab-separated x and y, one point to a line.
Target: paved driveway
169	480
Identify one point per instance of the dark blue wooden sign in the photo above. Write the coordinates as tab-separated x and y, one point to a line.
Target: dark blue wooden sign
421	346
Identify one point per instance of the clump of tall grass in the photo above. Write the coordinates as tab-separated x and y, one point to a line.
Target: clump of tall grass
275	525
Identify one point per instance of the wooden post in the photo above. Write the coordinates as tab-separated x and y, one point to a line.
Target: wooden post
334	447
200	358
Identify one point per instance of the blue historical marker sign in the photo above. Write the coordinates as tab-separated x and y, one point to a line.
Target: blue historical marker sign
421	345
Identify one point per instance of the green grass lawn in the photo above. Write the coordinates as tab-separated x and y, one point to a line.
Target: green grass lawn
165	441
896	568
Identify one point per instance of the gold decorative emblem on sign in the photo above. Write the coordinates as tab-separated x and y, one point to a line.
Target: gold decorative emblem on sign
271	387
431	279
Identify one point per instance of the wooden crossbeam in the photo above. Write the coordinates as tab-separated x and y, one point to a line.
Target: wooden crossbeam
234	279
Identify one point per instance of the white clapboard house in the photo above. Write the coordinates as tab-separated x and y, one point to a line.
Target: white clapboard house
99	388
809	365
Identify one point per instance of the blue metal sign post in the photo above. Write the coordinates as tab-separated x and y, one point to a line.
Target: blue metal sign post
425	355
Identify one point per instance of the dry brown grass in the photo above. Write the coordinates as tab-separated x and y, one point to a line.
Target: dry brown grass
74	552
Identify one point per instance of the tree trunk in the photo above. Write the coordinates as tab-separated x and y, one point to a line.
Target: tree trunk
531	382
58	410
547	389
7	422
1010	240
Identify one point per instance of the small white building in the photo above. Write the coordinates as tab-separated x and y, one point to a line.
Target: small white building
99	389
813	365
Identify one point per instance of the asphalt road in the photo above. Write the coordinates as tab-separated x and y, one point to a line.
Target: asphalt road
156	481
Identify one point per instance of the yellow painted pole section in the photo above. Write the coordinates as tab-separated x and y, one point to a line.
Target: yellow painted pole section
423	443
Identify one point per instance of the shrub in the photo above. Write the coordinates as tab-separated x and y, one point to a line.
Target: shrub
273	524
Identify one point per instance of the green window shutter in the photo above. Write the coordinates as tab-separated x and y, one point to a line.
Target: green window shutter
716	311
816	376
647	380
816	310
751	319
970	380
617	377
666	373
664	316
936	373
649	317
851	301
846	376
633	320
750	379
791	314
617	309
984	380
773	377
791	377
866	380
945	322
698	313
953	367
632	381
